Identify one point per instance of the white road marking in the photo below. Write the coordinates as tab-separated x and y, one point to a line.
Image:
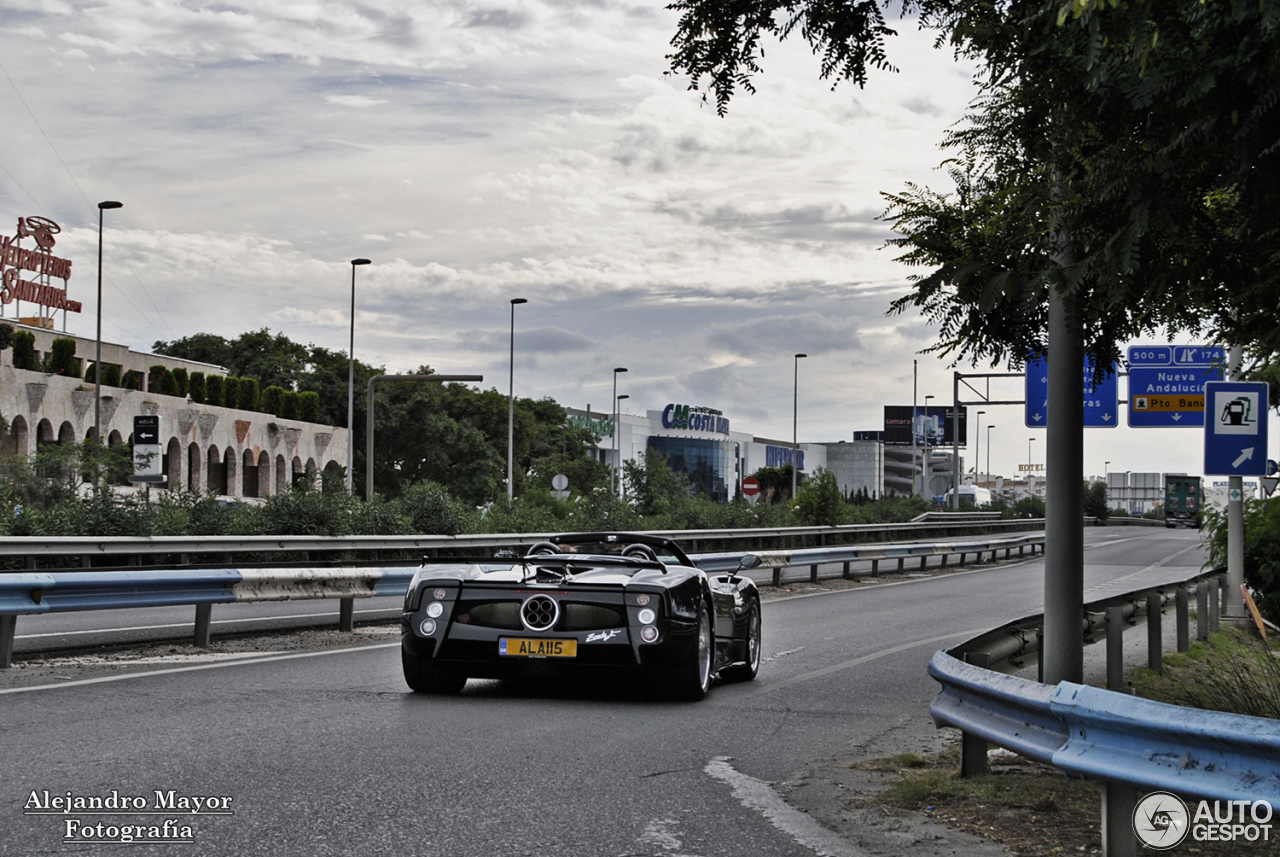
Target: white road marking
1115	581
660	834
760	796
193	668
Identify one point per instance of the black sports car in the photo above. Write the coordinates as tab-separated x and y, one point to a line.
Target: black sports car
577	605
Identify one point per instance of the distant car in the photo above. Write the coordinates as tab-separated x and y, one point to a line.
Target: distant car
582	605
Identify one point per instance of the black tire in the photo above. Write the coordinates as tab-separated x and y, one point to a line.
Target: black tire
422	676
690	679
748	670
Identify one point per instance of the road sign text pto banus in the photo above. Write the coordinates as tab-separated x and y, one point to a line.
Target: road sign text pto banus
1166	383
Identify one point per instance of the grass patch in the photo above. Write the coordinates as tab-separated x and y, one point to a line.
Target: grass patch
1234	671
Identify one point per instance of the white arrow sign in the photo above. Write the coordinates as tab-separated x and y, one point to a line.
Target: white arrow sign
1245	455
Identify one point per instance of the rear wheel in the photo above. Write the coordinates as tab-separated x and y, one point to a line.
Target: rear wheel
747	670
690	679
423	676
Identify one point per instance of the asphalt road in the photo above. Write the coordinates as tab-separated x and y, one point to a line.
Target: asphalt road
326	752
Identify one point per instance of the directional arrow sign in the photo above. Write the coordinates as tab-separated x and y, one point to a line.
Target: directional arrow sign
1166	383
1100	409
1235	429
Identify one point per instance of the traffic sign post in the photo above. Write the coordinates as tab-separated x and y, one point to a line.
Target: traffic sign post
751	489
1166	383
1100	401
147	454
1235	431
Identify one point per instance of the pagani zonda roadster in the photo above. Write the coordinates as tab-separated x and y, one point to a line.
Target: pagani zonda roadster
581	604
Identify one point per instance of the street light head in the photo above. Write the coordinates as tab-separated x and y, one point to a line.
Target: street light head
361	262
623	396
110	204
515	301
798	356
620	369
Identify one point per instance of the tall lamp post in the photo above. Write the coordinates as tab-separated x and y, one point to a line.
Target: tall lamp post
989	428
97	353
977	452
351	377
617	411
1029	441
615	484
926	465
511	403
795	413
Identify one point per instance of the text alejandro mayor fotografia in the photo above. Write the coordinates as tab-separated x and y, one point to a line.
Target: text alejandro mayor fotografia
88	819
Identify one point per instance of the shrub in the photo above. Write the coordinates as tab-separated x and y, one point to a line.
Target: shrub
131	381
271	398
1261	550
248	398
429	509
196	388
90	372
213	390
289	405
24	351
181	384
231	392
6	336
155	378
309	406
62	359
111	375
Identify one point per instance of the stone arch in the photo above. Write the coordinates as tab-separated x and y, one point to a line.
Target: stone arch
264	474
115	439
66	434
194	460
249	470
16	442
44	433
171	466
334	471
215	476
298	473
231	476
282	475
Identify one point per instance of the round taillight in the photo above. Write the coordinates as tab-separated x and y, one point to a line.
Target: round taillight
646	616
649	633
434	609
428	627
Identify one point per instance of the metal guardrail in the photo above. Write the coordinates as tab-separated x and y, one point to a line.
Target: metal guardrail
89	547
61	591
1114	737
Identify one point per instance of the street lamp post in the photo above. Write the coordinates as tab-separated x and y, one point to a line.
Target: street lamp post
926	465
351	377
617	411
615	484
97	354
795	413
977	453
989	428
1029	471
511	403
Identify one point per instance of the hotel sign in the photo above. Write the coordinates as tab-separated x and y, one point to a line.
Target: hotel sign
40	261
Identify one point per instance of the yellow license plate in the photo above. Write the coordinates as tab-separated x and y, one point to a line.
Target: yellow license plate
524	647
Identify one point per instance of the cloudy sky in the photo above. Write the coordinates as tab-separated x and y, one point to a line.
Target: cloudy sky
480	151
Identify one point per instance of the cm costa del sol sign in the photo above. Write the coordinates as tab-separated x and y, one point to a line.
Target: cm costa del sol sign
38	262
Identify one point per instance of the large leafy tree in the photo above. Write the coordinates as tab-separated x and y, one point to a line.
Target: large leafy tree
1121	153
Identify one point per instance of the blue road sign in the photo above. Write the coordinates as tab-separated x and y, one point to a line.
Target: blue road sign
1235	432
1100	403
1166	383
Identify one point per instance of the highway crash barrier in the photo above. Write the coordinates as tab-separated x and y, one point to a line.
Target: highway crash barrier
1108	735
63	591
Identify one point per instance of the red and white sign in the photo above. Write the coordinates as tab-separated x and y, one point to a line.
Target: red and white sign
751	486
40	261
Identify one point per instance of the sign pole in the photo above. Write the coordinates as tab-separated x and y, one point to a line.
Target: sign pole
1233	606
1062	654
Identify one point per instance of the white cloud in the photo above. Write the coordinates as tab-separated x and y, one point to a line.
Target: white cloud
358	101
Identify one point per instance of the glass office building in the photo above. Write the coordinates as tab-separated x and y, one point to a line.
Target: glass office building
712	465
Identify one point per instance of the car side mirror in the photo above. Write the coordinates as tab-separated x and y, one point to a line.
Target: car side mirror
747	561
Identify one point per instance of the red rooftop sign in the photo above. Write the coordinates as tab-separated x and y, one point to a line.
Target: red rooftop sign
39	260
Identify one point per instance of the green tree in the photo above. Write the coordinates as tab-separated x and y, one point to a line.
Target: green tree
1095	501
214	390
819	502
62	358
24	351
654	488
197	389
